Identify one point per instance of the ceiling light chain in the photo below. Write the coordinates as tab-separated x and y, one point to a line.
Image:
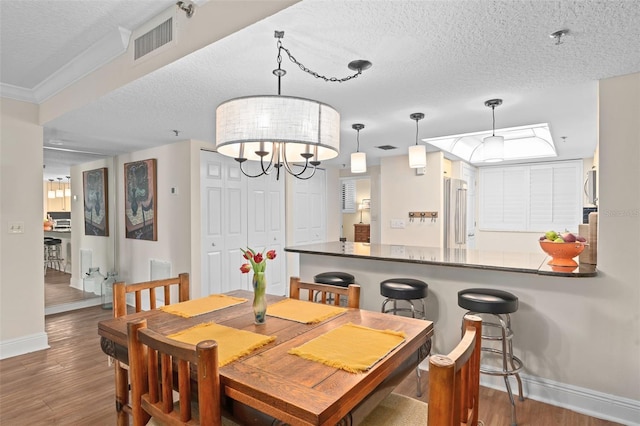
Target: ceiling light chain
357	65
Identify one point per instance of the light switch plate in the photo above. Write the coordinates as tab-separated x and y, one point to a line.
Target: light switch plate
397	223
16	227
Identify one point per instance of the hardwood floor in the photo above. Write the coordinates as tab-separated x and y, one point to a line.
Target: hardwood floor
58	292
72	384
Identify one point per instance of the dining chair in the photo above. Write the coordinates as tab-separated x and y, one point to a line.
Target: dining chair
454	387
159	366
352	292
120	291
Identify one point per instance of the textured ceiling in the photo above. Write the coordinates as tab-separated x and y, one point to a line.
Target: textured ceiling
442	58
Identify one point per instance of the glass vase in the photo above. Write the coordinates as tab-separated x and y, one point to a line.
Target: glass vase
259	297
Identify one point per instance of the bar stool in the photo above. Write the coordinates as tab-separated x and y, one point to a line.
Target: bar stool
406	290
499	304
336	278
52	253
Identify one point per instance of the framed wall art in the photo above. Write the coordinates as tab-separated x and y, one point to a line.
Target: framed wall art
140	202
96	208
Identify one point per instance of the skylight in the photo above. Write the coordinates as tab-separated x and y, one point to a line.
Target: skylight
520	143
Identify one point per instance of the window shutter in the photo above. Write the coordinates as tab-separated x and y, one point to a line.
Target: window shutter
348	194
532	198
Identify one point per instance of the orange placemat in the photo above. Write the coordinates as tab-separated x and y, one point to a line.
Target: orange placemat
200	306
232	343
350	347
302	311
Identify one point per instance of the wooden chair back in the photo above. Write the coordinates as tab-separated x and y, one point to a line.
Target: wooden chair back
454	379
121	289
352	292
155	362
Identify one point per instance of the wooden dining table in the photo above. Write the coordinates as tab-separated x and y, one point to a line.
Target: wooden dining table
271	384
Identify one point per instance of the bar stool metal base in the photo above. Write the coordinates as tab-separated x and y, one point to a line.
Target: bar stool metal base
511	364
411	307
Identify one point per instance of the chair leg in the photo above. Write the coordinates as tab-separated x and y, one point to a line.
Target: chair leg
122	394
418	382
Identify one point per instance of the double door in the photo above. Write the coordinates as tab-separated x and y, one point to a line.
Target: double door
238	212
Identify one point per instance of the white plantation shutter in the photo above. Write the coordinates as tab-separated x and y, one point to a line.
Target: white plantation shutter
348	196
531	198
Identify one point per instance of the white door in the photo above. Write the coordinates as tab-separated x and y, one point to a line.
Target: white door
469	175
266	227
309	205
224	219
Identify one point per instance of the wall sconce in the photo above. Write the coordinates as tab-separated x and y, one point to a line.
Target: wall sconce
417	153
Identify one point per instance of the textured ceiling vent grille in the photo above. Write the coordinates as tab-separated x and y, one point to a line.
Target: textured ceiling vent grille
386	147
157	37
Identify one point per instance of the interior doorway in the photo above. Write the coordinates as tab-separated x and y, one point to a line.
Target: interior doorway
356	209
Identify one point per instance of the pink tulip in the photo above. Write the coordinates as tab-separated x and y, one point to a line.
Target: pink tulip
258	258
245	268
271	254
247	255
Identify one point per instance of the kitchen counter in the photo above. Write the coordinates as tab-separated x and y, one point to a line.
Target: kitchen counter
530	263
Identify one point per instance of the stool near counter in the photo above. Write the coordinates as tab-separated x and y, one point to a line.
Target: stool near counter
406	290
52	254
499	305
336	278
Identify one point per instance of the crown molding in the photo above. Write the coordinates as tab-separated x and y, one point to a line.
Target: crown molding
109	47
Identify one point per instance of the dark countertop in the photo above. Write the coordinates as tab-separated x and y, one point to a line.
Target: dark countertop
531	263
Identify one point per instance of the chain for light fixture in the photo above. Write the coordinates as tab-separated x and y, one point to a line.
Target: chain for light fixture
253	128
358	65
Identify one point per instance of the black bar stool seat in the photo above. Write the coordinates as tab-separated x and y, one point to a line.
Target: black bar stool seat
403	288
487	301
335	278
341	279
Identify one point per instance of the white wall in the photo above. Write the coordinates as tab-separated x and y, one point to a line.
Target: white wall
173	214
402	191
21	255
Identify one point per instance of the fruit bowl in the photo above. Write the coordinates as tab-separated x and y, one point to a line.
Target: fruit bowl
562	254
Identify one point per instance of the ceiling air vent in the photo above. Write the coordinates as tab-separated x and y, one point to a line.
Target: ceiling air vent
152	40
386	147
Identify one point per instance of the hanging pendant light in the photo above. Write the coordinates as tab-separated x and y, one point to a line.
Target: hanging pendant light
279	131
417	153
493	146
67	190
51	193
358	159
59	191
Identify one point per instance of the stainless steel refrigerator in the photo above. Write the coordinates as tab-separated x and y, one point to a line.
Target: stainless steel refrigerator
455	213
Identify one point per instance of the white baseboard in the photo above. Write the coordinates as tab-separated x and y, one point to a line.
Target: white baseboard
23	345
72	306
581	400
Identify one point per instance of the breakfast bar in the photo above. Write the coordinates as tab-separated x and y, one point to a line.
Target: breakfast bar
547	297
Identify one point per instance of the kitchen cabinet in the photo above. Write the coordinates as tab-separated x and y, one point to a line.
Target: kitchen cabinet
361	233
